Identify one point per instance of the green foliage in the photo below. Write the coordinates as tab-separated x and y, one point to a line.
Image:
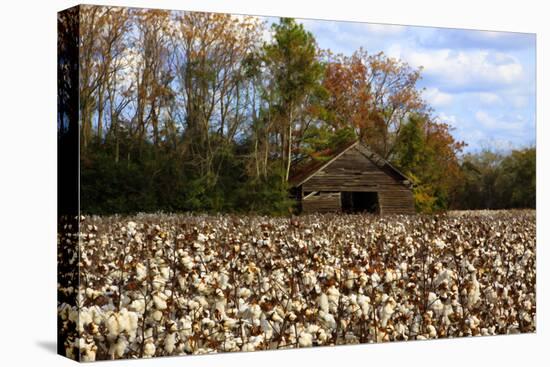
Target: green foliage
214	124
292	59
497	181
425	153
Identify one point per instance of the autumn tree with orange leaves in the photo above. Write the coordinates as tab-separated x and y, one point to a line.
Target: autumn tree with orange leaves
198	111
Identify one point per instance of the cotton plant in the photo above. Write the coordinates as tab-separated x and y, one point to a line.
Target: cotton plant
160	284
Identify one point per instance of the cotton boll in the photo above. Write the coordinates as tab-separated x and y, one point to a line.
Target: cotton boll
149	349
141	271
276	317
229	323
439	244
170	343
322	336
188	262
328	320
375	279
160	301
118	349
364	303
208	323
390	276
435	304
165	272
87	349
432	333
244	293
386	311
333	295
138	305
305	339
113	329
157	315
474	292
323	303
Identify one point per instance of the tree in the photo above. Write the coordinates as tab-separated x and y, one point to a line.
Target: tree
296	73
427	152
374	94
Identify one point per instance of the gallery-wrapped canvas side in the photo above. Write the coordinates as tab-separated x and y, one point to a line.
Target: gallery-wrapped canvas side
68	182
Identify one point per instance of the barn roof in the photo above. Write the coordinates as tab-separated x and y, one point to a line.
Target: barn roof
303	171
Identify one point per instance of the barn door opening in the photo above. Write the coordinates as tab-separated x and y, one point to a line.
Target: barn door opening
357	202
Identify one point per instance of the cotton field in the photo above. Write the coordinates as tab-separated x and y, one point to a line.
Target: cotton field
160	285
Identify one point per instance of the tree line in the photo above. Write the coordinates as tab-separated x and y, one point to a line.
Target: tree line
199	111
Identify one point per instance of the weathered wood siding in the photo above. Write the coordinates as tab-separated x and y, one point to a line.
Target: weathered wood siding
353	171
324	202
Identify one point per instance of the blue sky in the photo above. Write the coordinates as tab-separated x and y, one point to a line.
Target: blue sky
480	82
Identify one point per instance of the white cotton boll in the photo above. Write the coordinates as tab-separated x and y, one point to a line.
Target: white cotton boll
133	321
229	323
312	328
118	349
333	295
276	317
141	271
73	315
327	320
255	312
248	347
157	315
85	318
138	305
165	272
170	343
149	349
223	280
188	262
389	276
160	301
446	275
208	322
89	354
322	336
202	238
439	244
474	293
323	303
245	292
435	304
350	282
375	279
432	332
387	311
305	339
112	326
364	302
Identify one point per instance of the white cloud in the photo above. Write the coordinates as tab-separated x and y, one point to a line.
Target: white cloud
464	68
492	123
489	98
437	98
448	119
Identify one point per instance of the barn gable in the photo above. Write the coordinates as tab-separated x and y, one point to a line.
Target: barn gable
353	179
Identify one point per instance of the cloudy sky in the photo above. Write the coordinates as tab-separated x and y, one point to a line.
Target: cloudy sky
480	82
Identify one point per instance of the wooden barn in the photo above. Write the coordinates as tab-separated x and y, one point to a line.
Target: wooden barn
351	179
